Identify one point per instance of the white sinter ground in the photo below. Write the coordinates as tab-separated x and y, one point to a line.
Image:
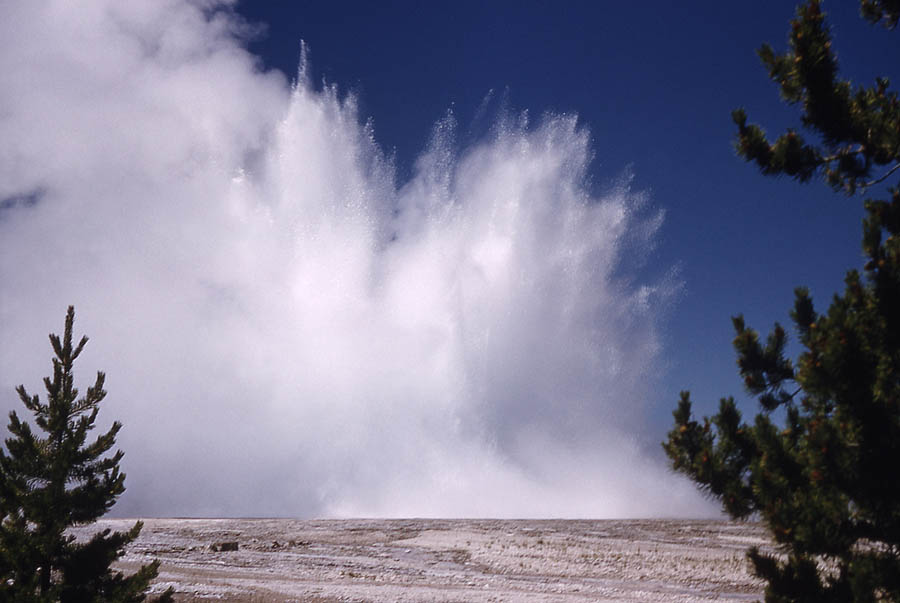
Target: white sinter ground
448	560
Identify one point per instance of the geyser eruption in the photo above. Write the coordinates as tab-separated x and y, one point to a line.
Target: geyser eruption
288	332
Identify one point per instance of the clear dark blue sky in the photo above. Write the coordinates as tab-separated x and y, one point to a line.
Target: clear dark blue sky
655	82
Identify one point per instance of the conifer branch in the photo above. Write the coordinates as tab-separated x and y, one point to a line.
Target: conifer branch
882	178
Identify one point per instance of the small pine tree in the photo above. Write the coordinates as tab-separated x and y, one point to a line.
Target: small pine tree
51	482
824	478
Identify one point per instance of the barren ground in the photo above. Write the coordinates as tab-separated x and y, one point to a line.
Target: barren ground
447	560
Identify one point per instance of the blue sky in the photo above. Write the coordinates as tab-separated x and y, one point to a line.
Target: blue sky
655	83
301	316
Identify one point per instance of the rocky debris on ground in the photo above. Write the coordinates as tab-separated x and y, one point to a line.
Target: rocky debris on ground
446	560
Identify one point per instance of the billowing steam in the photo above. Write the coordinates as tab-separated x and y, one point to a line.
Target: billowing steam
287	331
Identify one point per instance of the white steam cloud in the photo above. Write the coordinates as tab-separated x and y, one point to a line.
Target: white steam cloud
286	331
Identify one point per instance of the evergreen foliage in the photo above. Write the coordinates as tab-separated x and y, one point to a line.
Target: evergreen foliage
55	478
823	473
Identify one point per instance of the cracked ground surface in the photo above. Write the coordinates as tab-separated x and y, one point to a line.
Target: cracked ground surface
447	560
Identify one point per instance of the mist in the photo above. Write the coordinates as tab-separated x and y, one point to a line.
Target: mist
287	329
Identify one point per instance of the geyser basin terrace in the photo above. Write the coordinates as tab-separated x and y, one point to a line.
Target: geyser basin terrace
449	560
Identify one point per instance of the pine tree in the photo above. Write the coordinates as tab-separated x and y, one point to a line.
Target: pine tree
820	465
54	480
